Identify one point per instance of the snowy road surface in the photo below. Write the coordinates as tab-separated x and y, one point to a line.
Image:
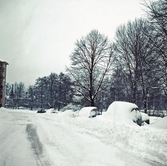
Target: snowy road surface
28	138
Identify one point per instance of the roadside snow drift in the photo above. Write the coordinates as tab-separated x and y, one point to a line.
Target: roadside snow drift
161	123
124	112
65	139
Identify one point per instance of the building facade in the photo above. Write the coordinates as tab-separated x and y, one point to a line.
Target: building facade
3	67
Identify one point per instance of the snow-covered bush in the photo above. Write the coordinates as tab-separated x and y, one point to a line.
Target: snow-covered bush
69	113
71	107
124	112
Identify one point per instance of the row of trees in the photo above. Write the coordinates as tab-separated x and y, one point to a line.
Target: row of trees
131	68
51	91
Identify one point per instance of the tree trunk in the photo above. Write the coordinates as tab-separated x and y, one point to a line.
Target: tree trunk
92	102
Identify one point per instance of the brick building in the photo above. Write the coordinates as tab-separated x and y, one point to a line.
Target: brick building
3	66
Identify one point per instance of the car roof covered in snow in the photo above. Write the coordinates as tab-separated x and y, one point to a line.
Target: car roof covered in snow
123	112
144	116
85	111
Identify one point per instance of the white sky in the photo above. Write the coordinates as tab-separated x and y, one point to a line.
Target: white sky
37	36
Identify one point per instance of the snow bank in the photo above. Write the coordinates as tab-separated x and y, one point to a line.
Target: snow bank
148	143
161	123
124	112
154	118
4	116
68	113
145	142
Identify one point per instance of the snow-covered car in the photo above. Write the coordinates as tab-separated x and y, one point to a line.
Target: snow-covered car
124	112
145	118
90	112
51	110
41	110
54	111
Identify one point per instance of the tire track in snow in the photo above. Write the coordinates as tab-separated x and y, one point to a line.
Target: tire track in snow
36	144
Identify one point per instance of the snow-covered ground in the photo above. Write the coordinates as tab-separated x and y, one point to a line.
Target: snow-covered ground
66	139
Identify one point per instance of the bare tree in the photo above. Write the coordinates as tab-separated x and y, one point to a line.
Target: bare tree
91	61
157	14
135	57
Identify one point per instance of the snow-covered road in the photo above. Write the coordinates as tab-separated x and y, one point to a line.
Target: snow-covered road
28	138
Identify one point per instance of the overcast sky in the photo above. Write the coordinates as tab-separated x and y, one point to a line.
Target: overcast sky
37	36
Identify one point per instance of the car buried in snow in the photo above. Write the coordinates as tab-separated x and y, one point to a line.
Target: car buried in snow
90	112
145	118
41	110
124	112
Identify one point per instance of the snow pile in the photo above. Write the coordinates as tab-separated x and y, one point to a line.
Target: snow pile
161	123
133	143
3	113
68	113
145	142
153	119
4	116
124	112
